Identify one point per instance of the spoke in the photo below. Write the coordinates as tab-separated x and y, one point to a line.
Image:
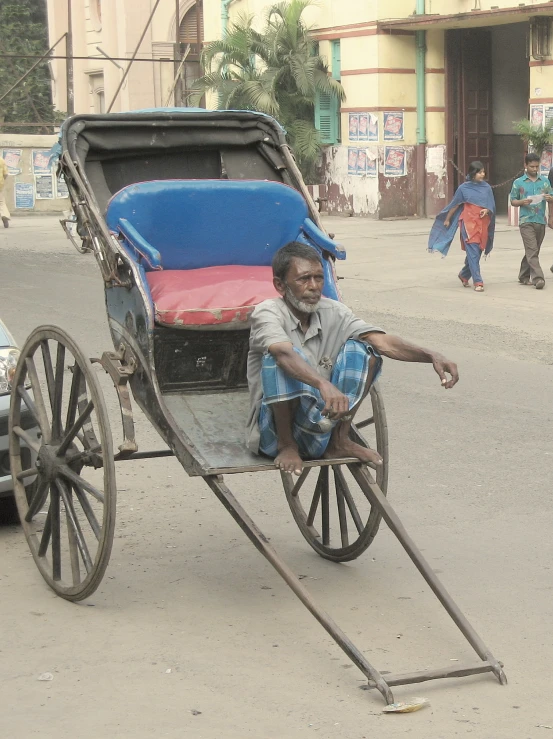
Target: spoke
58	393
366	422
56	532
73	396
297	487
41	414
38	500
29	403
27	473
342	517
87	508
48	369
78	480
75	532
74	430
314	503
27	438
325	505
46	534
341	480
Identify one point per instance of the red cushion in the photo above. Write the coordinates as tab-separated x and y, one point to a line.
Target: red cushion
210	296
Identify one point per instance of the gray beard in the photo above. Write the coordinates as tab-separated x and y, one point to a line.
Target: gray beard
299	304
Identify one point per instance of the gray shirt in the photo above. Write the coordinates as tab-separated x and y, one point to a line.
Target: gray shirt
272	322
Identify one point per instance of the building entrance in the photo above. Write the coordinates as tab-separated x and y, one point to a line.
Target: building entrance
488	81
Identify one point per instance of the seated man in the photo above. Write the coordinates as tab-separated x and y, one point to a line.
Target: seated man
311	363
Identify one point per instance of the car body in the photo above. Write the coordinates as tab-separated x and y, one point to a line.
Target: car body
8	358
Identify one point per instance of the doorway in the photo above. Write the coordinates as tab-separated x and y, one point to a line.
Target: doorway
488	82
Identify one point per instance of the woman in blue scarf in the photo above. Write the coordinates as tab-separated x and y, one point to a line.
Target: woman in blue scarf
473	209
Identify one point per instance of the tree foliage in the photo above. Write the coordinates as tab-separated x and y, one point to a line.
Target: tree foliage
276	71
23	30
538	137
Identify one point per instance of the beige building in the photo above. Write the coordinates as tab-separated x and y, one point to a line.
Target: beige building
430	84
105	36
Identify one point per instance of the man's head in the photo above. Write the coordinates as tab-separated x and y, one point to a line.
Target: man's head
298	276
532	162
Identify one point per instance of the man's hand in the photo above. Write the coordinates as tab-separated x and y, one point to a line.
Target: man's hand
549	198
396	348
526	201
336	403
447	224
441	366
484	212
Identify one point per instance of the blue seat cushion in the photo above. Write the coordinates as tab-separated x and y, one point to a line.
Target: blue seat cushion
207	223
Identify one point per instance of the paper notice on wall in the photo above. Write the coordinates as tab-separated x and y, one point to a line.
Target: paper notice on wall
548	114
24	195
372	162
435	159
353	127
41	161
12	157
352	161
363	127
393	125
361	161
536	115
44	186
61	187
373	126
546	162
394	161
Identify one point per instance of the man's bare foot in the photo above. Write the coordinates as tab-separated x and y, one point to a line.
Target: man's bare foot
348	448
289	460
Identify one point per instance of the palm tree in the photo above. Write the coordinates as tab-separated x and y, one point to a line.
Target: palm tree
276	71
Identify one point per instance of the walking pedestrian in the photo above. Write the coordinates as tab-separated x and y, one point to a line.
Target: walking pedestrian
530	193
4	212
473	210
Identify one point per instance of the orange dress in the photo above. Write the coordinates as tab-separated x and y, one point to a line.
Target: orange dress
473	229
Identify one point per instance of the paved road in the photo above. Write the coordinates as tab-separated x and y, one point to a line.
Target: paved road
186	592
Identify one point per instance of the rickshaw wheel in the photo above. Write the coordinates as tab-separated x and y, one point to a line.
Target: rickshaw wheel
321	497
69	516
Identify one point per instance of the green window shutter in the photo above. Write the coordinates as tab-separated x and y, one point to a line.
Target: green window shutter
336	69
326	117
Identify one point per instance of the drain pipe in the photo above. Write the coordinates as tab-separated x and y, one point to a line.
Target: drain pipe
225	15
420	40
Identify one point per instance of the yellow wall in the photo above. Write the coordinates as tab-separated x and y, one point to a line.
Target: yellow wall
445	7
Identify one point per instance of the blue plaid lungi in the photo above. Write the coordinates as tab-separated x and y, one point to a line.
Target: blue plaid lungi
349	375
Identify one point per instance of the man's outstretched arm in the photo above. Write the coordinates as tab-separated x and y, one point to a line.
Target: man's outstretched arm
396	348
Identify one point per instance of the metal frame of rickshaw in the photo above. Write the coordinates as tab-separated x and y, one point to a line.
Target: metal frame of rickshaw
132	366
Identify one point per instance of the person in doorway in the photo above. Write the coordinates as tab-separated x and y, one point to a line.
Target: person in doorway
4	212
530	193
311	362
473	210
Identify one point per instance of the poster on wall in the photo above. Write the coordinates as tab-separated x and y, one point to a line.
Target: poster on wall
363	127
373	126
548	114
393	126
361	161
394	161
536	115
546	160
24	195
352	161
353	127
44	186
12	157
41	161
372	162
61	187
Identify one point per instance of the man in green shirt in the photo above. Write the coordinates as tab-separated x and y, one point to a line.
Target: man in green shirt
530	193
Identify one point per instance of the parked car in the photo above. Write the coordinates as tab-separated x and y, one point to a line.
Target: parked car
9	354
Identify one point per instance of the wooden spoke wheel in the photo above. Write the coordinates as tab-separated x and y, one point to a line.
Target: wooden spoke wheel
331	510
68	514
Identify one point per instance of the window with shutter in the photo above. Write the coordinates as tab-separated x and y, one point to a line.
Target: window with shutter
188	27
326	113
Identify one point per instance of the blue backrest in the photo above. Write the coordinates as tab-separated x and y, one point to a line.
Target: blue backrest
207	223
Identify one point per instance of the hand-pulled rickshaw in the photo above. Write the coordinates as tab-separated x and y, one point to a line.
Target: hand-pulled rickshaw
184	210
